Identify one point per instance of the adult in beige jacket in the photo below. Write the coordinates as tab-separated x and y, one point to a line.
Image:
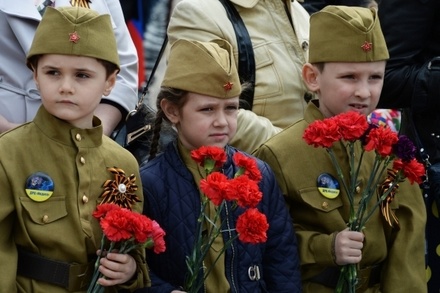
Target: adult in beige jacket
279	35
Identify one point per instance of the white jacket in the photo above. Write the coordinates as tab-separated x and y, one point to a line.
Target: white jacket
19	97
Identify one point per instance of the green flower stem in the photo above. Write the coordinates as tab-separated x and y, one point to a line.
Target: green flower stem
342	179
208	271
380	200
96	266
376	177
347	279
97	288
194	262
366	196
339	171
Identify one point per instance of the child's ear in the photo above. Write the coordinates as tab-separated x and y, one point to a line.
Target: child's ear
110	83
310	76
170	110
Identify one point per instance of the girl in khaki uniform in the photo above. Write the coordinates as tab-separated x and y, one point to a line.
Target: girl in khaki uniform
52	169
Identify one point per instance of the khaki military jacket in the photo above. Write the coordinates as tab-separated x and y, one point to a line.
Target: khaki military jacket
317	218
60	227
280	43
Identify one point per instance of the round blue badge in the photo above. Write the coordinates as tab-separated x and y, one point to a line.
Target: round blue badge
39	186
328	186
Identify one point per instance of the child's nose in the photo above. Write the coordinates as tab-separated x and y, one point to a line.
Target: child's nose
66	86
363	91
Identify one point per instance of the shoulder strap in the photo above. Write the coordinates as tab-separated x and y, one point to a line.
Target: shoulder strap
246	60
156	64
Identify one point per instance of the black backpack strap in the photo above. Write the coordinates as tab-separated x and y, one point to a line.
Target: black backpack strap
156	64
246	60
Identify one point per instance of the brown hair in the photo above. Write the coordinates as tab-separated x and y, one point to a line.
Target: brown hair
175	96
109	66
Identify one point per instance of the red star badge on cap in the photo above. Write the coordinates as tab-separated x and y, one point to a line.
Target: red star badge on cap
367	46
74	37
228	86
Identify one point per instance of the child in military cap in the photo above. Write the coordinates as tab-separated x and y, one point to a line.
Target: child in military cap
52	170
200	97
346	71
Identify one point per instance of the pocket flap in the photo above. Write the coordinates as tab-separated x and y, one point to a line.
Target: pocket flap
47	211
313	198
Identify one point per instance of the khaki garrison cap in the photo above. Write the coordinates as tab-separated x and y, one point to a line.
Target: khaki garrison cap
206	68
75	31
346	34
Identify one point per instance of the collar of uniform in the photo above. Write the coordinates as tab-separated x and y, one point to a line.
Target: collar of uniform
312	112
65	133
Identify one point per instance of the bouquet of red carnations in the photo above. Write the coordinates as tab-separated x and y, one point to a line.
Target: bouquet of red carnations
217	188
124	230
394	156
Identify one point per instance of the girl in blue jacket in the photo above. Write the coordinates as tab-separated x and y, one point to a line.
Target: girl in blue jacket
200	97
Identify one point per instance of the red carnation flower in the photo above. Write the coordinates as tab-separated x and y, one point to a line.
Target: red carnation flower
103	209
126	230
114	225
158	235
141	227
214	187
212	153
352	125
252	227
382	140
249	166
322	133
413	170
245	191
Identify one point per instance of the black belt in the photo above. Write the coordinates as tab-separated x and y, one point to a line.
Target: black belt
367	277
72	276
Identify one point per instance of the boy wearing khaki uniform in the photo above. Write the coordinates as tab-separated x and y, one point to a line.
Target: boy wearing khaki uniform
52	169
346	70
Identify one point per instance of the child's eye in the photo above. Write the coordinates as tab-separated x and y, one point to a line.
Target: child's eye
349	76
207	109
52	72
82	75
377	76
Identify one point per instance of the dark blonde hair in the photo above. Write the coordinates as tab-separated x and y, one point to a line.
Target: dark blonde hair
175	96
